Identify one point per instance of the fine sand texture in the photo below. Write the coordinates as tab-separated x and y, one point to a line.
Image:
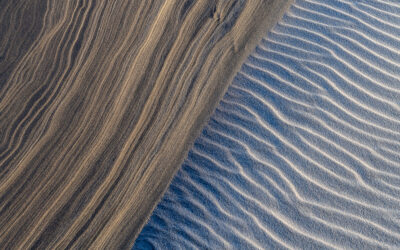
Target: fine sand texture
100	102
303	152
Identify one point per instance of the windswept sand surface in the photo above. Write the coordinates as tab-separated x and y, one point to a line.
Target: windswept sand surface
100	102
304	149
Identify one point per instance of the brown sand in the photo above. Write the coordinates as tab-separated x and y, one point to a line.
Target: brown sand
100	102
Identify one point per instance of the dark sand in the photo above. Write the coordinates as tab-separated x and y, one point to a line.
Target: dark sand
100	102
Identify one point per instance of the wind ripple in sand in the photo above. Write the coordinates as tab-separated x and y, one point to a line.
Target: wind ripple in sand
303	151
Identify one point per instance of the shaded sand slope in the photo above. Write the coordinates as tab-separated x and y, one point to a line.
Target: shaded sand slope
303	152
99	103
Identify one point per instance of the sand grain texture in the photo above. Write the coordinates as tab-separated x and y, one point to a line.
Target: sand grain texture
99	104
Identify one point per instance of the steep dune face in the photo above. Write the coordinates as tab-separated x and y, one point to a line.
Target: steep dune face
303	152
99	103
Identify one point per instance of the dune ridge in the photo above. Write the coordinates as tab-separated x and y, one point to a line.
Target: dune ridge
100	102
303	152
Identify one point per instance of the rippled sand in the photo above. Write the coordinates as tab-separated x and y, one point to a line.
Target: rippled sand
304	149
100	101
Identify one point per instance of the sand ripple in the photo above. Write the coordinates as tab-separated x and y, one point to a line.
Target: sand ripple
304	149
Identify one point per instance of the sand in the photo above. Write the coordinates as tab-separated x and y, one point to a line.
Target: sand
303	152
100	102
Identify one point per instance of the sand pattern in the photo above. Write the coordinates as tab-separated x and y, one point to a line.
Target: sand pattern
100	102
303	152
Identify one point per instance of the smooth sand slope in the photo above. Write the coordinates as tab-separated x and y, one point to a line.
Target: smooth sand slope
303	152
99	103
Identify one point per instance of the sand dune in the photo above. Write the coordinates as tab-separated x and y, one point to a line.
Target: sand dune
303	152
99	104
